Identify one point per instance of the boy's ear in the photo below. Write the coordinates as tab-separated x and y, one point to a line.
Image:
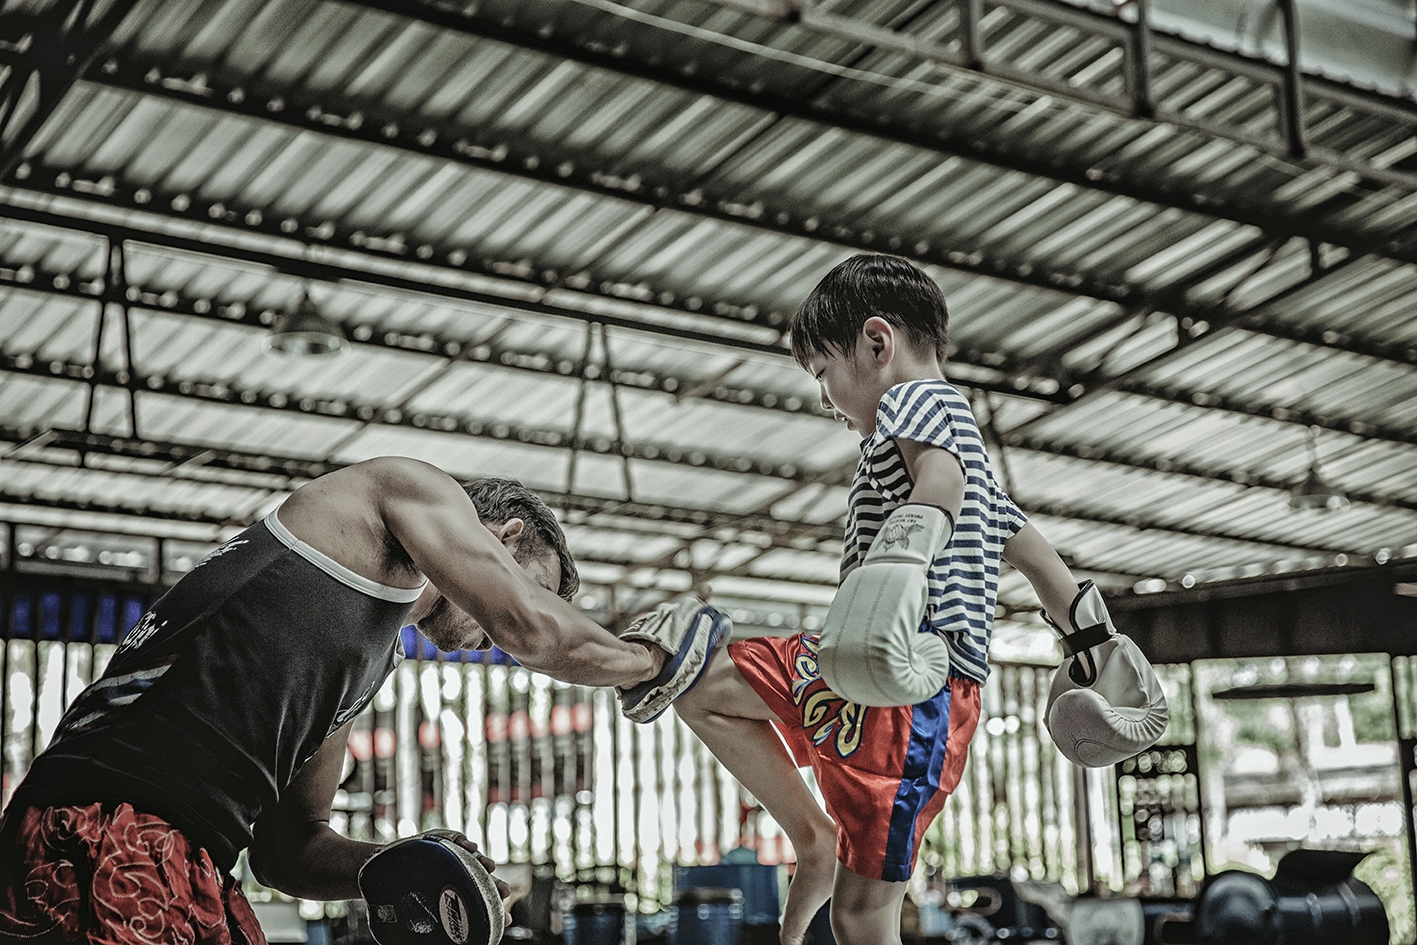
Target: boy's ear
879	336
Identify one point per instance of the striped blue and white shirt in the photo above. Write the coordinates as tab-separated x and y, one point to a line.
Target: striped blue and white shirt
964	581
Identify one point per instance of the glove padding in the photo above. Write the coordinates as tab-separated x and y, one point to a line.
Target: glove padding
1105	704
428	890
689	632
873	651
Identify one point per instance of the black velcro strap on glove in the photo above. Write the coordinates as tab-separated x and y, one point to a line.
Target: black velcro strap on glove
1105	703
1085	639
428	890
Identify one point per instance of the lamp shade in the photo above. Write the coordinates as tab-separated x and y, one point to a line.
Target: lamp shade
1314	493
306	333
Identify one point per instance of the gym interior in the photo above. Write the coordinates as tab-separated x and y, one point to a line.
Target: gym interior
246	243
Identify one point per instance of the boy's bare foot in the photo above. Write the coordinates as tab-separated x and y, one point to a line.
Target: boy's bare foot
809	889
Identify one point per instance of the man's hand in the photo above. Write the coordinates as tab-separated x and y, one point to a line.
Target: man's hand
503	890
656	661
433	889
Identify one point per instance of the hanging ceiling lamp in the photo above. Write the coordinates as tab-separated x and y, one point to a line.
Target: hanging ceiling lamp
306	333
1314	492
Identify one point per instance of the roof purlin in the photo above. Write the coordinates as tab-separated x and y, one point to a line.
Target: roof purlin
1090	178
676	196
332	272
150	449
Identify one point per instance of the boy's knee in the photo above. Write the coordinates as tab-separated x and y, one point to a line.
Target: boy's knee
865	911
851	927
709	691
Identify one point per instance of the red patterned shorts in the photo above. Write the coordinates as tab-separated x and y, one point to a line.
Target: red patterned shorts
109	875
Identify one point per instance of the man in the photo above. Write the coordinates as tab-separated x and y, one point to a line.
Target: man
222	720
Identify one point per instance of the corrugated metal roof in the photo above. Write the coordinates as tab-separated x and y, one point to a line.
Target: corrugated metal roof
468	191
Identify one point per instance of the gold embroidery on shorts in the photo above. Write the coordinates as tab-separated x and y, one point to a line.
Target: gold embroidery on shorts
848	720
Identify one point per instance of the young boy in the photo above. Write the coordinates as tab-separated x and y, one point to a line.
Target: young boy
873	334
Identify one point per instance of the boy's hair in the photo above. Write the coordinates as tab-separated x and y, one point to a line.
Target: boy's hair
500	500
830	319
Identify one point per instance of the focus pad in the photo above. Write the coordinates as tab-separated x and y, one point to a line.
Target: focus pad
689	632
427	890
1121	714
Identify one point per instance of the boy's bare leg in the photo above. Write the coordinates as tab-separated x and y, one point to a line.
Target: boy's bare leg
865	911
733	721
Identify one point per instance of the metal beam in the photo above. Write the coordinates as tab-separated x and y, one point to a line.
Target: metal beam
245	312
505	158
67	285
790	534
72	505
733	318
1175	467
294	233
946	142
216	392
107	508
780	533
1292	101
221	393
205	92
1132	380
1020	385
1059	510
1061	387
1374	104
238	312
52	49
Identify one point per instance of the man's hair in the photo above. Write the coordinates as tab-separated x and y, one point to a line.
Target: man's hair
830	319
500	500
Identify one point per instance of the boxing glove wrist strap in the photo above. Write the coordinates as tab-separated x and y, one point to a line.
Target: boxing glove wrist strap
915	533
1085	639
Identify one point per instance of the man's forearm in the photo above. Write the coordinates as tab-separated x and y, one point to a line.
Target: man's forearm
597	659
320	864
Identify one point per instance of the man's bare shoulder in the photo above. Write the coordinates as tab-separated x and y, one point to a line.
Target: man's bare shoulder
373	479
344	513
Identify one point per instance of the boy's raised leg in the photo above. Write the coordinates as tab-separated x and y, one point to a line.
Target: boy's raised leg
733	721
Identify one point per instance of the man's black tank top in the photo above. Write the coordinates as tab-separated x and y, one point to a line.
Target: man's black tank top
225	688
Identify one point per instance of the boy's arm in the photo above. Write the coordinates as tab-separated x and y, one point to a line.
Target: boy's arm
1105	703
936	473
1029	552
939	480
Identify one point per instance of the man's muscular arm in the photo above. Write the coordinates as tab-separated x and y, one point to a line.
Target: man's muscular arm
296	851
437	525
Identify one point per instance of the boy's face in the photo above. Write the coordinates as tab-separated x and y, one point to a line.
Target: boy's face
848	387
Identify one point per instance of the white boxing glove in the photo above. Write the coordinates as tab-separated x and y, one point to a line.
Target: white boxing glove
872	650
1105	704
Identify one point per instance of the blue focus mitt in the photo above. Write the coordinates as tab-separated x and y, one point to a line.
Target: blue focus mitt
429	890
689	633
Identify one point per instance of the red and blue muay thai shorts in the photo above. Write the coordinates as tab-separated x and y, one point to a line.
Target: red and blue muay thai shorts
884	772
